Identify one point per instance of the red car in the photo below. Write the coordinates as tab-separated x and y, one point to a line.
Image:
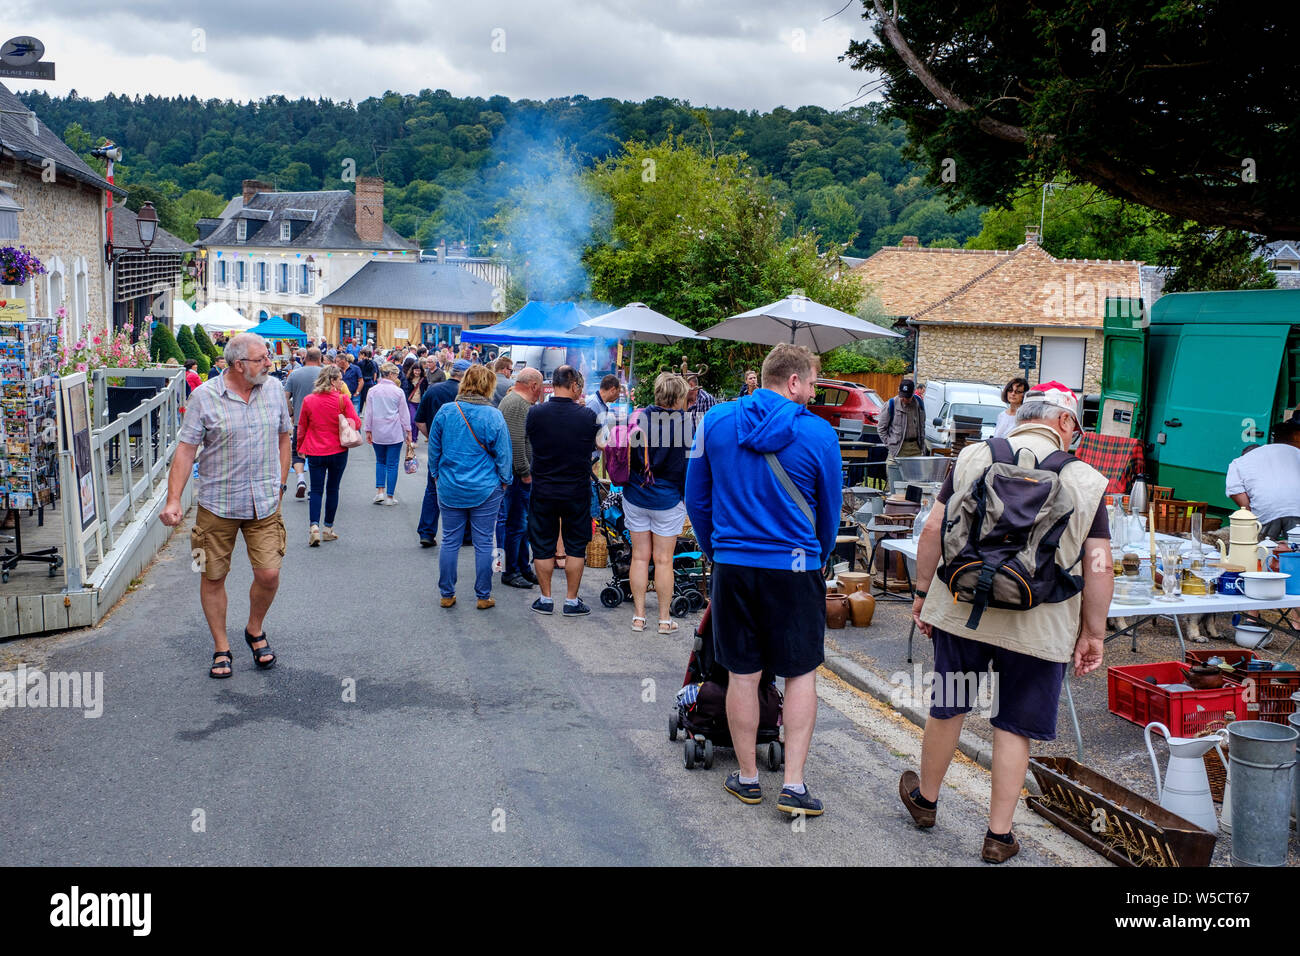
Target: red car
838	401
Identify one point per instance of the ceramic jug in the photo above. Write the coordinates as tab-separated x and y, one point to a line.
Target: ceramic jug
1186	787
837	610
862	605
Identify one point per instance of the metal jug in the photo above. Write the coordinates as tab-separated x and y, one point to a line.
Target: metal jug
1186	787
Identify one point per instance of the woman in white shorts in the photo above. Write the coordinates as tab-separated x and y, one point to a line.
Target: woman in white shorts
653	508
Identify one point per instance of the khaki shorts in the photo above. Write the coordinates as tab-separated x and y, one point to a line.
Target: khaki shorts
213	542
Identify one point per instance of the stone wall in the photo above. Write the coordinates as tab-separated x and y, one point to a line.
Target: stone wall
61	219
991	354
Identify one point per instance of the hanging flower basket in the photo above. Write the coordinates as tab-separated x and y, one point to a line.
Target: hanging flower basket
17	265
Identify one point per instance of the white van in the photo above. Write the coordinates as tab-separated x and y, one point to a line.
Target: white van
968	399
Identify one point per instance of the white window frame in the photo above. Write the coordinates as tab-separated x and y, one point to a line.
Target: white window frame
80	306
223	273
283	278
286	231
241	230
241	273
259	275
305	279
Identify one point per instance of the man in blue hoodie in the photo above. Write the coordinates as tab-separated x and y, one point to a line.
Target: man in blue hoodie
763	495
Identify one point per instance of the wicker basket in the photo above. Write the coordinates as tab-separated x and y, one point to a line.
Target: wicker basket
597	552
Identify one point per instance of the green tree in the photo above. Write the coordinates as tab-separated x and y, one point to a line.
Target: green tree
163	346
700	238
1148	99
205	343
1209	260
190	349
832	214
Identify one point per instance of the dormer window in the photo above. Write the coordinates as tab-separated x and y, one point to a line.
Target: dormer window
241	230
286	231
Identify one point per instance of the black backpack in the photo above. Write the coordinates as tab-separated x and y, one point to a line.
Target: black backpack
1001	540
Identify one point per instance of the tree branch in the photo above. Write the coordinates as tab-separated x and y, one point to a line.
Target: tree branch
996	128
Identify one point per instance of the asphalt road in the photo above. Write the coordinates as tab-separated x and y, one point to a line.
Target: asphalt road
475	737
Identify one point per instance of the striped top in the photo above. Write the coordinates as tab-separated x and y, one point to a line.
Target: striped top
239	446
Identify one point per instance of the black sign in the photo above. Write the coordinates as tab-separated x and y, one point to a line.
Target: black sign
1028	357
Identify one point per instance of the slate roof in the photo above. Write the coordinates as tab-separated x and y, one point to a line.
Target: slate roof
126	234
421	286
17	139
335	226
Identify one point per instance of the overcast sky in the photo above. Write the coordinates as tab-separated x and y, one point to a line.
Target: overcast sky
747	54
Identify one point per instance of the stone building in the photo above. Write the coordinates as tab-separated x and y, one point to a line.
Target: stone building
60	220
968	311
279	253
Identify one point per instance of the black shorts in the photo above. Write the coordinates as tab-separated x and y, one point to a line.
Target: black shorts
548	516
1021	696
767	620
294	457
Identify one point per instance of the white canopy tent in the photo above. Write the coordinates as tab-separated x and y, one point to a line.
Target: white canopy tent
183	314
220	317
637	322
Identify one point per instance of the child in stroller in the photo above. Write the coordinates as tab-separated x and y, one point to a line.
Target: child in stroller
700	710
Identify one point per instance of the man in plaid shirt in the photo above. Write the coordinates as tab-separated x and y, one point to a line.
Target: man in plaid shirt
698	401
241	421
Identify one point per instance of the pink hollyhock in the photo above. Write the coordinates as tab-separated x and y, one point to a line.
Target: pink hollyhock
81	366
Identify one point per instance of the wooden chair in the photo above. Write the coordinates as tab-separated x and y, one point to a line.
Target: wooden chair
1156	491
1173	516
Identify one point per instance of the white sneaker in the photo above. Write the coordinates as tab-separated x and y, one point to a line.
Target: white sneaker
379	497
391	500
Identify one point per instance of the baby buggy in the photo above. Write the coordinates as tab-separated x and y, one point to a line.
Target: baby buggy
700	711
690	576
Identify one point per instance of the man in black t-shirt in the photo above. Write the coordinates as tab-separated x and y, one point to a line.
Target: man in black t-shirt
563	434
369	372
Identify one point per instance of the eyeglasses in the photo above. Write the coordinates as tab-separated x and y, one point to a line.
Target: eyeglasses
264	360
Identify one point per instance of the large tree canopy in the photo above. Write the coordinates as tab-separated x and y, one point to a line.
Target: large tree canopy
1188	108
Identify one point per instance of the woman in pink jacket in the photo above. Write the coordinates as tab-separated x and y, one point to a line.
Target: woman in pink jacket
388	428
318	440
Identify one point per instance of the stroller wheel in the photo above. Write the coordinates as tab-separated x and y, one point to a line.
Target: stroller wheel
680	606
672	726
610	596
688	754
708	754
775	756
695	598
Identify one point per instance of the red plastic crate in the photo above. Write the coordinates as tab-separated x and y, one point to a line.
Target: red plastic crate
1186	714
1270	697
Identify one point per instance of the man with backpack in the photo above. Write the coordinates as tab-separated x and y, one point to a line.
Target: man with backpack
1024	545
763	496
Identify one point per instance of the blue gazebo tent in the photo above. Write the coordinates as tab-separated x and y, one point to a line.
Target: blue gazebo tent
537	323
277	328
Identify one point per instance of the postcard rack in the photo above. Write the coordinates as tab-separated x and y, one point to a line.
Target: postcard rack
29	470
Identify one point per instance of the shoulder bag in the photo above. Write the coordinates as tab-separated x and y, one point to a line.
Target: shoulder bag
490	452
349	437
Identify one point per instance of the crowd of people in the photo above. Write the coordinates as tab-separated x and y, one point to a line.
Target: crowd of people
759	479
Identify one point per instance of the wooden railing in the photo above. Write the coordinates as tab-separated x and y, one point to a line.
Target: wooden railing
884	384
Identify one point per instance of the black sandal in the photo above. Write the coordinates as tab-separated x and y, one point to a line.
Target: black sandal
260	652
229	665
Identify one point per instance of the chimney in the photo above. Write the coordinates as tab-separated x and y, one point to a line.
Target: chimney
442	251
370	209
1031	235
910	242
254	186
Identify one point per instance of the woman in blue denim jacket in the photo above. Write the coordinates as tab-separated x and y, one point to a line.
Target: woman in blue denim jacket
470	459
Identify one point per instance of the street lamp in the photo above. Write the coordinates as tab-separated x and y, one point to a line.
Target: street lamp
146	221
